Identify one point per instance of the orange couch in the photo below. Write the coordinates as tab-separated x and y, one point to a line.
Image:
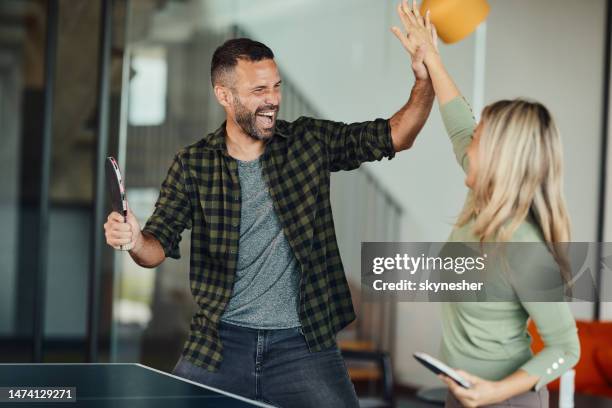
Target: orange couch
594	370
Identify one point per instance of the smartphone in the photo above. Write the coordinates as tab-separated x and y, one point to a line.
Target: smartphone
438	367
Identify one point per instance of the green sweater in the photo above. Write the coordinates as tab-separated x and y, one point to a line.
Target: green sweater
490	339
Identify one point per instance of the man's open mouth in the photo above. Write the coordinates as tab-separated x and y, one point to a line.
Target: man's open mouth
266	119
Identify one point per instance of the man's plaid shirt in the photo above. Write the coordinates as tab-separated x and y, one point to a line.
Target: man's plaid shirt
202	192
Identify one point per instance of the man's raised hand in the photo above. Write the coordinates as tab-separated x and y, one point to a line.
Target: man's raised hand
420	32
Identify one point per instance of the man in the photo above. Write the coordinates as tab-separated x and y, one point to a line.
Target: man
265	269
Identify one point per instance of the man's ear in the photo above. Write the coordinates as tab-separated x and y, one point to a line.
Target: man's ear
223	95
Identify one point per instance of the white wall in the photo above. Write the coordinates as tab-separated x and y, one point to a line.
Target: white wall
554	54
556	57
344	59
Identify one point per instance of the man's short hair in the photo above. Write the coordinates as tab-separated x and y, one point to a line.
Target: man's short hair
226	57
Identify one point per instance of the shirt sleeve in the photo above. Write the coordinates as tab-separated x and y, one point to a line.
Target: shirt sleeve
557	328
460	124
349	145
172	212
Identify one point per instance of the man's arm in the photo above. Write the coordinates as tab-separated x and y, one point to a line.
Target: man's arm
409	120
147	251
161	234
350	145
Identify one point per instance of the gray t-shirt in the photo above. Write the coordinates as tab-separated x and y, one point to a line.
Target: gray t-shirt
266	289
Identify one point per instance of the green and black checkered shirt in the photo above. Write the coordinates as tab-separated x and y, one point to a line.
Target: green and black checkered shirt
202	192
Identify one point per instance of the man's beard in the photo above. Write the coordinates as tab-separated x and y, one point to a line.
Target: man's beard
247	120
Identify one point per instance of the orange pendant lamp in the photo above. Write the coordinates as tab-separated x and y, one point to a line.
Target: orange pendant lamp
455	19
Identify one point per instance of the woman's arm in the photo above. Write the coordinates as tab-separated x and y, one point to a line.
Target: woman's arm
557	328
421	36
459	123
484	392
561	352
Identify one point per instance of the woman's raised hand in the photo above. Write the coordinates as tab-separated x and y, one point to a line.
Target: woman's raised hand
420	32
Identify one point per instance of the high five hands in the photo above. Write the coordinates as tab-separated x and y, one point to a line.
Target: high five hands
420	40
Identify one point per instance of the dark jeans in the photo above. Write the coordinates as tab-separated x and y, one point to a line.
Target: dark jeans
275	366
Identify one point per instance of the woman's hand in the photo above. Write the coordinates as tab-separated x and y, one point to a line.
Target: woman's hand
420	34
482	392
421	42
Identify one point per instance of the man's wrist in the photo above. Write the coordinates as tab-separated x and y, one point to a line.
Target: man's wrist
423	86
423	82
138	243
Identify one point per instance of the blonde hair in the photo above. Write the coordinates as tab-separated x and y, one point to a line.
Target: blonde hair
520	171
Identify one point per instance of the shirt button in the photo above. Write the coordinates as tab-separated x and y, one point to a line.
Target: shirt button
232	251
235	223
561	360
548	371
555	366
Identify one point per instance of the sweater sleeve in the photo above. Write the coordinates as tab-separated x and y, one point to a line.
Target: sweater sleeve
561	351
460	124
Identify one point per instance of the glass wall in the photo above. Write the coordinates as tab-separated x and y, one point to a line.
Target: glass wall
48	120
22	86
163	112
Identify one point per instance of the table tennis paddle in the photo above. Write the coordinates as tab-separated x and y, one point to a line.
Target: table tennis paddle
117	192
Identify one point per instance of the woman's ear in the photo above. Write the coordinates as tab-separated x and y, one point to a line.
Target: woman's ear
223	95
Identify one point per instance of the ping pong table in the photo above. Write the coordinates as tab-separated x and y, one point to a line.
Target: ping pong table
114	385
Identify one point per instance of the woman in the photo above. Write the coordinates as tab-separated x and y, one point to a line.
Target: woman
513	162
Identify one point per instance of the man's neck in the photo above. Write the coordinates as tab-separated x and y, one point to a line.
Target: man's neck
240	145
